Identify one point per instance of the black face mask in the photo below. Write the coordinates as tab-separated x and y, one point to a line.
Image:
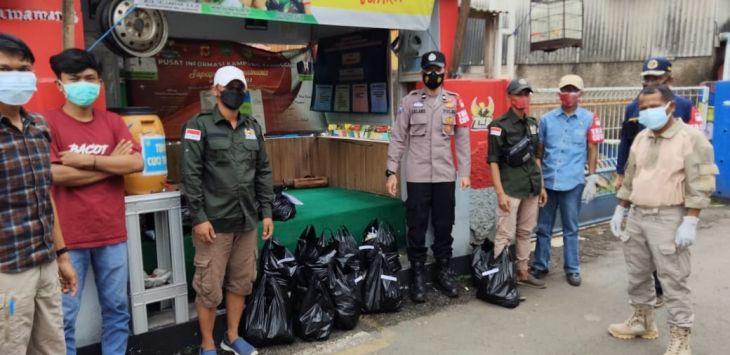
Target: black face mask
232	98
433	80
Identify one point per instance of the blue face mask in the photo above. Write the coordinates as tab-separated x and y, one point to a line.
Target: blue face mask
17	87
654	118
82	93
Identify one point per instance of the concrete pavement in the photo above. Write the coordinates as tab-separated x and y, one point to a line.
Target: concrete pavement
563	319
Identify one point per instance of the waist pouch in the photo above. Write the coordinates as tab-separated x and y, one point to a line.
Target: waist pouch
520	153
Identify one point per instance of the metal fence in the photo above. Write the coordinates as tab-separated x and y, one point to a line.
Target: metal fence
610	105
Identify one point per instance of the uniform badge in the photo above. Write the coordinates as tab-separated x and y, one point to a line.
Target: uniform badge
652	64
250	134
449	129
192	134
432	57
495	131
533	130
418	104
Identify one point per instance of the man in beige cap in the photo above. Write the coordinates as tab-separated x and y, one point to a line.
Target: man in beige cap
226	176
566	134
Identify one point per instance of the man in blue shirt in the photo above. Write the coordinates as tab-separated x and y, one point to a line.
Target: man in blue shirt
569	136
655	71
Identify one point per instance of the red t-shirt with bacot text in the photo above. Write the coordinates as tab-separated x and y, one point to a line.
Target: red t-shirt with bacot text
92	215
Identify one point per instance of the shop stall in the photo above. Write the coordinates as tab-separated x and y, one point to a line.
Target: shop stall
324	80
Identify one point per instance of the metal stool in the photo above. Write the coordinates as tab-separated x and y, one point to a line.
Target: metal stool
169	237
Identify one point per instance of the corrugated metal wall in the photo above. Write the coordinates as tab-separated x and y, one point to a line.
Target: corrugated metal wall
629	30
474	48
624	30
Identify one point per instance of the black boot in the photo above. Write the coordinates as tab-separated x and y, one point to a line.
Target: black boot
418	283
445	279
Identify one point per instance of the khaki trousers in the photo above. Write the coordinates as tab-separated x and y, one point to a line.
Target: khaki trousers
650	247
31	316
517	223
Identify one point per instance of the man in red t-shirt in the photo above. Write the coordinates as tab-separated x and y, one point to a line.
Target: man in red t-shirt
91	150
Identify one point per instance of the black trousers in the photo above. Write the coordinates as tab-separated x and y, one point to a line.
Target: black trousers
436	200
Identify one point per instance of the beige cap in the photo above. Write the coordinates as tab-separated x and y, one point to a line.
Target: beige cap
225	75
571	79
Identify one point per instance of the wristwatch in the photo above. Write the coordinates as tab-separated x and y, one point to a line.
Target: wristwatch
61	251
388	173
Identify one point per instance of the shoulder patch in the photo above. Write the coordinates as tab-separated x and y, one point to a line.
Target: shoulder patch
495	131
192	134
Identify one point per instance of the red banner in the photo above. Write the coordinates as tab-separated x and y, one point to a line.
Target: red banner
39	23
485	100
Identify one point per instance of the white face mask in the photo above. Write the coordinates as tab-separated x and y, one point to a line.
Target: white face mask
17	87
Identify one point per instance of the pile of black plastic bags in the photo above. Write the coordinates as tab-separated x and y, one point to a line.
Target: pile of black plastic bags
327	283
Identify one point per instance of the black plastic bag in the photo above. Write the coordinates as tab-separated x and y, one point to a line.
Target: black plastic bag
307	245
381	234
345	245
381	291
281	208
313	269
344	292
495	278
279	263
316	313
268	316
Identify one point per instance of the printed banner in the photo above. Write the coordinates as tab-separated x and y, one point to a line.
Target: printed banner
177	82
388	14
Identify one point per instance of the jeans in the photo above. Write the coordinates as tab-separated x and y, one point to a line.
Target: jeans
111	275
568	203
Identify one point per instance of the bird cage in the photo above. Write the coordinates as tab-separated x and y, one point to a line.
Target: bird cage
555	24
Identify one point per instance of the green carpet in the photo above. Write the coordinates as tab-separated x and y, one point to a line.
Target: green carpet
327	207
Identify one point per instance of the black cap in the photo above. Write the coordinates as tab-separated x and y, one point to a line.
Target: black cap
517	85
656	66
433	58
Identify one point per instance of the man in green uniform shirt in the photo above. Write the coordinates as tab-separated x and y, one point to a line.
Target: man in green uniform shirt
227	181
517	178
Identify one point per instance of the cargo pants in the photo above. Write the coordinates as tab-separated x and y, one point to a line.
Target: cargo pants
650	247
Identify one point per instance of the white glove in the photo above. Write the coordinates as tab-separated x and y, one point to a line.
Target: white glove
590	191
686	232
617	220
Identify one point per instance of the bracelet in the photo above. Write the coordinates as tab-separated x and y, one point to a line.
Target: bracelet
61	251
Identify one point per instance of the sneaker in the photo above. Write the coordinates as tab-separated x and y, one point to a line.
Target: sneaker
573	279
538	274
531	281
238	347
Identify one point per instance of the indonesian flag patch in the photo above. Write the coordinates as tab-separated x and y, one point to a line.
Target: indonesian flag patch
495	131
192	134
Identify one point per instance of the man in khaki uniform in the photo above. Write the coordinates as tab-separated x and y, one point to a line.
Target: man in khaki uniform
428	120
668	180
